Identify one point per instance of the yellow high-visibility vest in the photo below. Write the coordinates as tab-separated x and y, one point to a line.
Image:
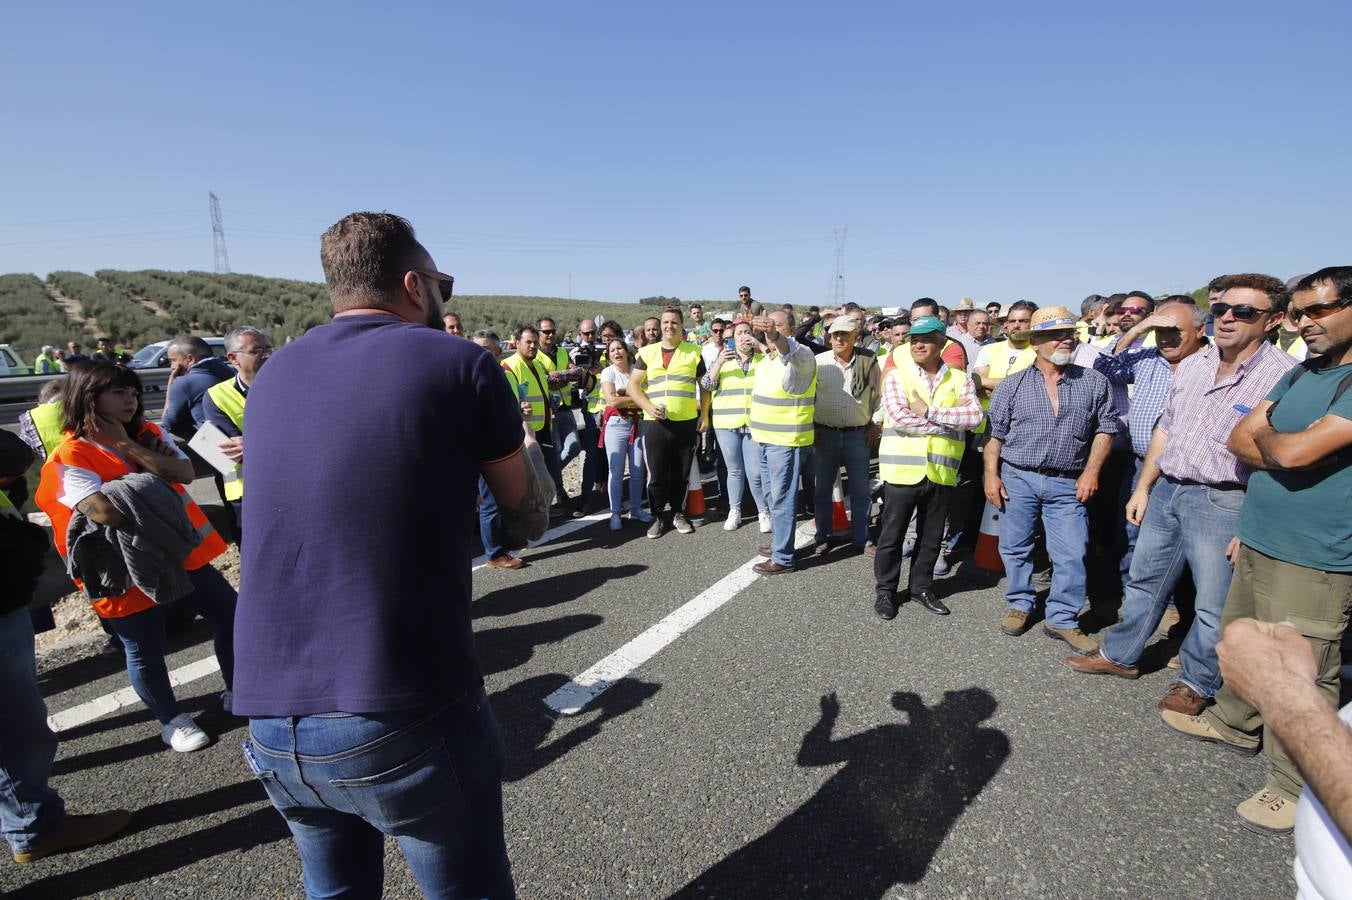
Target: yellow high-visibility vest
47	420
230	401
731	407
910	459
778	417
529	382
559	363
672	386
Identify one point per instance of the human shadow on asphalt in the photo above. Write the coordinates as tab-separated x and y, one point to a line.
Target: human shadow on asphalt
527	723
879	820
509	646
263	826
533	593
212	719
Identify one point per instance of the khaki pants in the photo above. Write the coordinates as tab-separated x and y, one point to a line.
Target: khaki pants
1317	604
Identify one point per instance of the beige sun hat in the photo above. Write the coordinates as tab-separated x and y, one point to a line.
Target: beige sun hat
1047	320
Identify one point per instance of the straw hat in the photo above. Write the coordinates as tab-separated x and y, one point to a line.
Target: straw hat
1048	320
966	304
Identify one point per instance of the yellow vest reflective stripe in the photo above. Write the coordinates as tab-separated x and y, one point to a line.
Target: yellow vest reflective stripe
731	406
529	387
672	387
230	401
910	459
778	417
47	420
560	362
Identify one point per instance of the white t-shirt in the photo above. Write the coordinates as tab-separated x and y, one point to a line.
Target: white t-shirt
613	376
1323	858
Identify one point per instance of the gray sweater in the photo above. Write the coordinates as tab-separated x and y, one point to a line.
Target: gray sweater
146	551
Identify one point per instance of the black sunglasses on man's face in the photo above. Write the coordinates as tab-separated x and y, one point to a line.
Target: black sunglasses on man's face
445	283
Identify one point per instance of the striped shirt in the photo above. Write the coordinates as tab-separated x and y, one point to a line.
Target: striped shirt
939	419
1200	413
1152	375
1036	438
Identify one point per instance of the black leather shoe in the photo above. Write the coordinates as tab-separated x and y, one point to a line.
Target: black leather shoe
885	605
931	603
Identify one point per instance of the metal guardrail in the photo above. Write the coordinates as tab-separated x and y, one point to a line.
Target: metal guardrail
18	393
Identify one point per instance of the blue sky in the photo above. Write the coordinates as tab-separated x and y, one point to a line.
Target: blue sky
997	150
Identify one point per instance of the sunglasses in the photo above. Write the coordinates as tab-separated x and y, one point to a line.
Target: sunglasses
1243	312
546	330
587	334
445	283
1316	311
1131	310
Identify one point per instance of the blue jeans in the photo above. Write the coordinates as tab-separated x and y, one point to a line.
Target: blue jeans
431	778
779	481
142	636
490	523
1184	524
741	455
29	809
1051	499
834	449
1130	531
565	435
618	450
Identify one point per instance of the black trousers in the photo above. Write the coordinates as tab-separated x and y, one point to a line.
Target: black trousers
929	502
668	448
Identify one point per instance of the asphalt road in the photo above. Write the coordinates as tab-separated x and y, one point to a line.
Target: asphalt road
790	744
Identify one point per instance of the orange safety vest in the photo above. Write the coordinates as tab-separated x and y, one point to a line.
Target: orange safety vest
107	465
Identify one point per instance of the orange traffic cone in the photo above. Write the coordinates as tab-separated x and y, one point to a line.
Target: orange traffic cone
840	520
694	496
987	555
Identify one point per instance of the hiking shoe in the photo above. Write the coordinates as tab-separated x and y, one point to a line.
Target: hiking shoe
1080	642
885	605
77	831
183	734
1182	699
1199	728
682	524
656	528
1015	622
1095	664
734	521
1267	812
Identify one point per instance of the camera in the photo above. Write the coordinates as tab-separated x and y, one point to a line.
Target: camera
585	356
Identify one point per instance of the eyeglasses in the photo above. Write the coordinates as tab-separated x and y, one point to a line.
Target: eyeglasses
1243	312
1316	311
1132	310
262	351
445	283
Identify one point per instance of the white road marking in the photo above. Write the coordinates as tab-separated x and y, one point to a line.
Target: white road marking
125	697
574	696
121	699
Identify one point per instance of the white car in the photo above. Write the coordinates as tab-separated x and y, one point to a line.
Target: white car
156	355
11	363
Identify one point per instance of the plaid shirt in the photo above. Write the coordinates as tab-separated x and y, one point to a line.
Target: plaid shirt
939	419
1200	414
1034	437
1152	375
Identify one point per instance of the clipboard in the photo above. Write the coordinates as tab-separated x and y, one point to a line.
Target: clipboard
206	444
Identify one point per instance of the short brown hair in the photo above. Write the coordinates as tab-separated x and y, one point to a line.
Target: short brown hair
365	256
1274	288
82	387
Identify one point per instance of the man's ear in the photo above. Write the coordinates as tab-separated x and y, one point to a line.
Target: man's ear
413	291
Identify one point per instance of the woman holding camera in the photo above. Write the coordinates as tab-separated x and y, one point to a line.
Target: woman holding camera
730	380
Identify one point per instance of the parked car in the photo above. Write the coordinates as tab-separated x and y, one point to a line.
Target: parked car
156	355
11	363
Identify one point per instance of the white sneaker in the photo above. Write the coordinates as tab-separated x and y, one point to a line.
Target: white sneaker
734	521
615	524
766	526
183	734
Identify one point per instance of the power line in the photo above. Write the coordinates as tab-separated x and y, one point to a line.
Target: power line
221	258
837	292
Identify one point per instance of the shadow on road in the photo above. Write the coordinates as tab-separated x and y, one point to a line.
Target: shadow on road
501	649
880	819
527	723
532	593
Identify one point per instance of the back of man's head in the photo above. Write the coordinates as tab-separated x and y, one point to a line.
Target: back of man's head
365	256
190	345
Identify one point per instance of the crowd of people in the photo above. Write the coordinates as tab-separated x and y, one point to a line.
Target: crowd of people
1187	460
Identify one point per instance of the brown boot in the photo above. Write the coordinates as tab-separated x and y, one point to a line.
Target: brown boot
1182	699
1080	642
1095	664
78	831
1014	623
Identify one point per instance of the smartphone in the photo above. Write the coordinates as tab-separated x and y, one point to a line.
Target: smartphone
731	343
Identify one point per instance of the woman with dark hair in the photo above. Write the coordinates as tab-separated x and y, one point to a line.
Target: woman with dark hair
107	437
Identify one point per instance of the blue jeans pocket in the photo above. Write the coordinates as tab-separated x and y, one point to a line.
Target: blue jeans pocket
281	798
409	792
1226	501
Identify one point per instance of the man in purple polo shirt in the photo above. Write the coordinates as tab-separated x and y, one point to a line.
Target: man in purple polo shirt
1191	488
355	660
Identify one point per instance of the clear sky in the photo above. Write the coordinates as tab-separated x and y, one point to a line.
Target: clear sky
998	150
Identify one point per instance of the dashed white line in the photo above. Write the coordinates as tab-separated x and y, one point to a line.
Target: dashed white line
574	696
